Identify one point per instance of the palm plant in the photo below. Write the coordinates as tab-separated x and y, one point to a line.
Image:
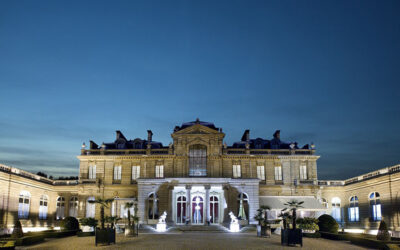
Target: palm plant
261	215
103	203
293	206
285	218
112	220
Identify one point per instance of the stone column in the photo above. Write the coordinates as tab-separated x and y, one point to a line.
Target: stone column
206	202
188	201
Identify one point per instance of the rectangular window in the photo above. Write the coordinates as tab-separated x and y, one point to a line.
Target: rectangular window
278	173
160	171
117	173
92	172
303	172
376	212
135	172
237	171
353	214
261	172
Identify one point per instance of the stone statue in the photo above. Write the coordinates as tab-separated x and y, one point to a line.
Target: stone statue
163	217
234	226
234	219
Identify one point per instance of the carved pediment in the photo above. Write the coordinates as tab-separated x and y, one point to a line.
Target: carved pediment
197	129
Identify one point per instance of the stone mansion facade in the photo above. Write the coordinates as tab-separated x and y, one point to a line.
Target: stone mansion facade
198	180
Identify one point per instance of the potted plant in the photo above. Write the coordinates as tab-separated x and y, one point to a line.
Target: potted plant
103	235
263	227
286	217
292	236
113	220
132	219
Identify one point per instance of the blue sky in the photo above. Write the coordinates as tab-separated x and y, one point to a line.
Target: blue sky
321	71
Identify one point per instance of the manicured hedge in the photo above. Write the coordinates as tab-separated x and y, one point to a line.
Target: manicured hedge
85	234
333	236
369	243
7	245
28	240
60	234
361	241
312	235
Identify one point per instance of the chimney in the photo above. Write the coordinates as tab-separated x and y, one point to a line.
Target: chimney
246	135
149	136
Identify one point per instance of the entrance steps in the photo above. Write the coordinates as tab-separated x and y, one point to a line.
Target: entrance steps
185	229
201	228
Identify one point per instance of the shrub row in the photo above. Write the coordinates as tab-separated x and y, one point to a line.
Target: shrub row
361	241
28	240
333	236
7	245
368	242
85	234
60	234
312	235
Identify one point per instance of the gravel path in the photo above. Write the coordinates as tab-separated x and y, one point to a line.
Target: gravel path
191	240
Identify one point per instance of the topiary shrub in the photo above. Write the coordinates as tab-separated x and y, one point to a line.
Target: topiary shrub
327	223
69	223
17	232
383	233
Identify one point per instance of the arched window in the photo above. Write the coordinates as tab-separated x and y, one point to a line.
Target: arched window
324	202
214	206
353	209
60	208
23	206
181	209
73	206
375	206
90	207
243	205
153	207
336	208
43	205
197	160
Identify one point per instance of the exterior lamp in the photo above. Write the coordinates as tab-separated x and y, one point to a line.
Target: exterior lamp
83	145
312	145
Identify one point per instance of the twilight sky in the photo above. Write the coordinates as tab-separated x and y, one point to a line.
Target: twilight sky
326	72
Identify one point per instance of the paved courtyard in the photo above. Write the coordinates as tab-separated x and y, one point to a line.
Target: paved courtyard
190	240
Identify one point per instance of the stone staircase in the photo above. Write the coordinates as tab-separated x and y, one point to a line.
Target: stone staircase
185	229
201	228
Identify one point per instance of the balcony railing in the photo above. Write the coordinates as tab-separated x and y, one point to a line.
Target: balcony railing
28	175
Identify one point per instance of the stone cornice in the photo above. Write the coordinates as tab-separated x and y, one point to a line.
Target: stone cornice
158	157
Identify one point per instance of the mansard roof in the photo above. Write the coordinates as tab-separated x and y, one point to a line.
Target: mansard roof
260	143
122	143
189	124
